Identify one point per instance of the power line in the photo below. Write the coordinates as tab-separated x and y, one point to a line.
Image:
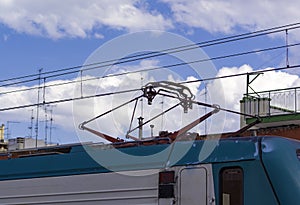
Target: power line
139	89
241	74
69	99
182	49
160	53
154	68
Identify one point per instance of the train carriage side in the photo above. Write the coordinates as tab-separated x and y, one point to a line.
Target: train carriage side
271	177
236	171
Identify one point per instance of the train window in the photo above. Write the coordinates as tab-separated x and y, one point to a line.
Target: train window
231	186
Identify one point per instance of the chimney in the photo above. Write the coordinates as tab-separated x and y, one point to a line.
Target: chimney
2	133
140	127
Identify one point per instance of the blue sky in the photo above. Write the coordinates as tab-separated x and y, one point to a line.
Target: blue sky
60	34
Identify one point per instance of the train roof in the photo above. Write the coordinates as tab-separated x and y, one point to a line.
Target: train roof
99	158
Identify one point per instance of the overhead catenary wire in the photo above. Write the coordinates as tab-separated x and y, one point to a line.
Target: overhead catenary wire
157	53
69	99
182	48
241	74
140	89
150	69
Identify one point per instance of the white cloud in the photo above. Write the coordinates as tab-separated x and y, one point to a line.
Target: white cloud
194	87
116	124
98	35
235	87
76	18
226	16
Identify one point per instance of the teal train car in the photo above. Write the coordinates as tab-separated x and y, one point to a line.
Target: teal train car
232	171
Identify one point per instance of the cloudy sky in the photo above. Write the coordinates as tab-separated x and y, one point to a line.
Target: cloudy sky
56	35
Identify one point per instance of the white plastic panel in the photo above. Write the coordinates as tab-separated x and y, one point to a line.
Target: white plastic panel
105	188
193	186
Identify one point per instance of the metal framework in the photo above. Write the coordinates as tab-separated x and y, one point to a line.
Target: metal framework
168	89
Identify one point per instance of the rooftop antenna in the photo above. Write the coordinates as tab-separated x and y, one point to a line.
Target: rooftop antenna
162	109
8	132
31	123
51	123
46	123
48	111
37	109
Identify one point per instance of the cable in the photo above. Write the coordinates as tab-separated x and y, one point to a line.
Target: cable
139	89
160	53
168	51
69	99
155	68
174	65
241	74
